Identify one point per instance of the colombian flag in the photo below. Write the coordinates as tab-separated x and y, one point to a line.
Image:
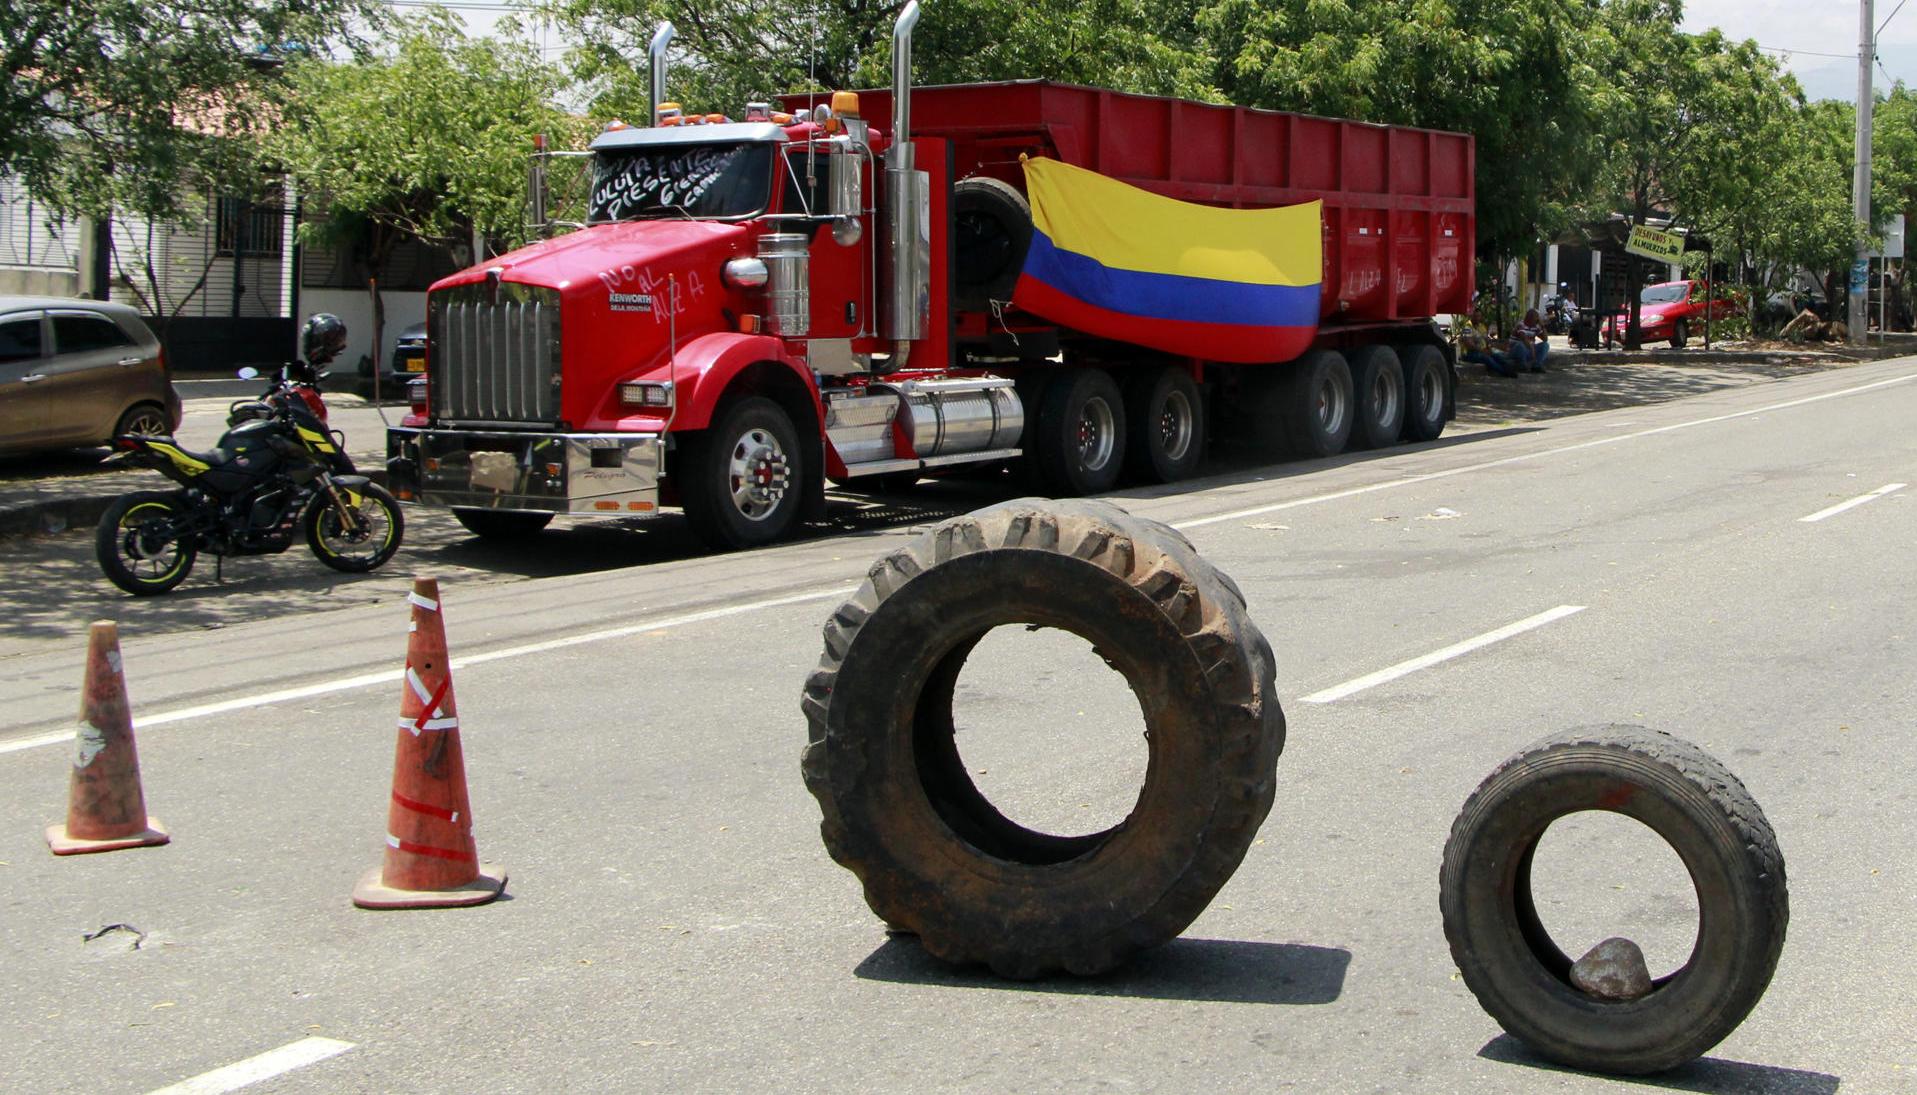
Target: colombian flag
1118	262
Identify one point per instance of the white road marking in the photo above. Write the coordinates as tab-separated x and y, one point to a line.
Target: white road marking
1392	673
367	680
245	702
1410	480
1888	488
267	1065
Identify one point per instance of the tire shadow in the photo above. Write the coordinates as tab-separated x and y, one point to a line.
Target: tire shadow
1213	970
1707	1074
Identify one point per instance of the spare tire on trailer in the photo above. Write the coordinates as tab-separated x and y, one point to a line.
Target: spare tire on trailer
1509	960
992	229
900	809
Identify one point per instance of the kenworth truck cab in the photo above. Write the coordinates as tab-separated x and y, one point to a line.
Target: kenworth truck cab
819	291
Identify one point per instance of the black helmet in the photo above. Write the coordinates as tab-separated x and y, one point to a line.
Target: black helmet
323	337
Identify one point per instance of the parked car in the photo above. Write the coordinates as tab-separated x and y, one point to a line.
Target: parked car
79	372
1671	311
401	367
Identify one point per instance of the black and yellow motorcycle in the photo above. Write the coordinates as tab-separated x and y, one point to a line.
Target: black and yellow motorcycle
277	470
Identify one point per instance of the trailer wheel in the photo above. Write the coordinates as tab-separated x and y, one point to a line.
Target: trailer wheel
1165	427
992	224
1377	380
1519	974
1428	393
899	808
743	475
1317	405
1080	440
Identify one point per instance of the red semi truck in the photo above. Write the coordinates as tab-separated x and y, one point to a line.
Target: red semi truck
823	292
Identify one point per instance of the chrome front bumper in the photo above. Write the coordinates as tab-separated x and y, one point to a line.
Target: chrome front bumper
600	474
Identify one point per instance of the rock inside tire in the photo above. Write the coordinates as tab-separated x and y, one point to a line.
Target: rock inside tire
902	813
1520	976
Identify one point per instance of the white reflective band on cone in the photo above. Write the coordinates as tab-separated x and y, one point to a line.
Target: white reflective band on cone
426	603
450	722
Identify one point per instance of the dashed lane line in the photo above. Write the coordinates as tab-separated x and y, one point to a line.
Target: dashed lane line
1392	673
273	1062
1832	511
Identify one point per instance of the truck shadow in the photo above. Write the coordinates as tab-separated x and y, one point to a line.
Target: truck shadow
1579	387
1708	1074
1214	970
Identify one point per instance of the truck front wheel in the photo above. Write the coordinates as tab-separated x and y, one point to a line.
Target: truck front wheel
741	480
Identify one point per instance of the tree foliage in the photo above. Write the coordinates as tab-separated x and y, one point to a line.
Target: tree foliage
143	104
430	139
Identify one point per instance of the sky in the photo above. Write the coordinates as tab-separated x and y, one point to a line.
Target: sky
1801	32
1815	39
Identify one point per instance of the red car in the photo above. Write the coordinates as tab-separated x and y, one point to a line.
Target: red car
1670	311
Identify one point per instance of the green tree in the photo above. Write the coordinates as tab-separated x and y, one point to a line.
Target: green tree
741	50
144	105
428	140
1514	73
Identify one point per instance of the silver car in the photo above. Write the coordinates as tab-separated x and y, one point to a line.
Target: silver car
79	372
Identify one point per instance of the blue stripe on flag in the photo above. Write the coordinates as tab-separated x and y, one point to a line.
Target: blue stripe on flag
1170	296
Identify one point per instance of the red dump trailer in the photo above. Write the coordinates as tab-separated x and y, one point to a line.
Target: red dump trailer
833	288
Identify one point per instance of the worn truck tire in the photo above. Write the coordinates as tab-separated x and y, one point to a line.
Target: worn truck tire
902	813
1519	975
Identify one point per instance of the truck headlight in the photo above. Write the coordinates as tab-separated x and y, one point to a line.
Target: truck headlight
745	273
646	395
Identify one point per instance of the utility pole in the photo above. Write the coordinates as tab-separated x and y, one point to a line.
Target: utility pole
1860	186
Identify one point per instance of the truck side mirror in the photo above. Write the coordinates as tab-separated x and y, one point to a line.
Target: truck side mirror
847	197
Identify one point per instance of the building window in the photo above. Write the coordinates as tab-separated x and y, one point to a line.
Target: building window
250	228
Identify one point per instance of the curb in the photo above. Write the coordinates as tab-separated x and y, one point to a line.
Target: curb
47	516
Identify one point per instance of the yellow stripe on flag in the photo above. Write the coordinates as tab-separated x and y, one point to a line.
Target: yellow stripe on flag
1127	228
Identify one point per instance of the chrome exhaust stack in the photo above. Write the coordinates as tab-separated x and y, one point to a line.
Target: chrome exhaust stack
908	197
656	54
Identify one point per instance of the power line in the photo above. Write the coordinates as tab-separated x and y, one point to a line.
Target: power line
1888	18
1777	49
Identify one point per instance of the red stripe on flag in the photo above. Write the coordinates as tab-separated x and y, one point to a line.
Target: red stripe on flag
1247	343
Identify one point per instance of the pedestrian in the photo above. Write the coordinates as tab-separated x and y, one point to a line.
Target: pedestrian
1475	348
1529	344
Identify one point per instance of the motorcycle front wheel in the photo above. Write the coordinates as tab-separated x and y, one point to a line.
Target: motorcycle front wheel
136	544
365	541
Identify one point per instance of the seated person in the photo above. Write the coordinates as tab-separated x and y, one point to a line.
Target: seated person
1529	344
1475	348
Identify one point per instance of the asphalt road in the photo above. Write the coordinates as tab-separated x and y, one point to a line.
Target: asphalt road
632	739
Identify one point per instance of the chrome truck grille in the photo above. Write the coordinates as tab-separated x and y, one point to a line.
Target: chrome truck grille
495	355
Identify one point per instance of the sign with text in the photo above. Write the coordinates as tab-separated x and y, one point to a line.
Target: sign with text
1653	244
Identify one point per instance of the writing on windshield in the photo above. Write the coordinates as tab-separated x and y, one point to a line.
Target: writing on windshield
715	180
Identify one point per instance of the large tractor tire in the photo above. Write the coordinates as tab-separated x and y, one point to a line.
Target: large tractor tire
899	808
1519	974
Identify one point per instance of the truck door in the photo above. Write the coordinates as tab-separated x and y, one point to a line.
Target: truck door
23	363
840	272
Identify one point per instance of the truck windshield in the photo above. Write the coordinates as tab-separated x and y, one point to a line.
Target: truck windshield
701	180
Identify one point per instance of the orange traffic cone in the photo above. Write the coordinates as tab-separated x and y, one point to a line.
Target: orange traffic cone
431	860
105	807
